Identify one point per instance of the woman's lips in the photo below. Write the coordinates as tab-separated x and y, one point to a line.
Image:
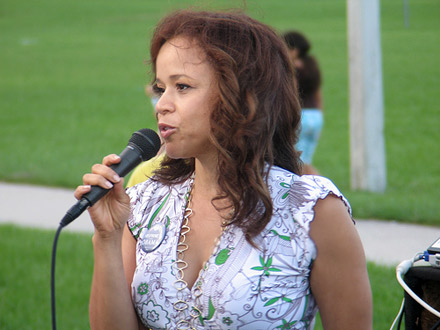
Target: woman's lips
166	130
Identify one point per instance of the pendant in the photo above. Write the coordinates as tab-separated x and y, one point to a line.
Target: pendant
152	238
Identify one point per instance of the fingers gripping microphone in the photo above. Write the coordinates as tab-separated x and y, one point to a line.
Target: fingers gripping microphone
143	145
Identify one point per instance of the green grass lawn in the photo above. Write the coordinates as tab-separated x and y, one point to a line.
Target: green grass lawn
25	281
73	74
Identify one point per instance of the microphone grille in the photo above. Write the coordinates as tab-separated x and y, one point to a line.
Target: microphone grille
147	141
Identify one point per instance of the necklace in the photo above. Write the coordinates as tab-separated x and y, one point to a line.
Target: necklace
180	306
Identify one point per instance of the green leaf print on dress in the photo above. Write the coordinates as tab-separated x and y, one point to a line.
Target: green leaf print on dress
285	185
284	237
286	325
142	289
265	266
222	256
211	311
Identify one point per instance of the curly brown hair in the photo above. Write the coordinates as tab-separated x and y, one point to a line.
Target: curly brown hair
255	120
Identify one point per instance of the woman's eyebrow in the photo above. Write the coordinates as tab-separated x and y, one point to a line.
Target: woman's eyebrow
175	77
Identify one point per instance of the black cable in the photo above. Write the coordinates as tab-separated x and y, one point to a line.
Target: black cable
436	325
52	277
401	317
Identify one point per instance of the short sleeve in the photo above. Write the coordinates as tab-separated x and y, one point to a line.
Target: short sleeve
326	187
295	198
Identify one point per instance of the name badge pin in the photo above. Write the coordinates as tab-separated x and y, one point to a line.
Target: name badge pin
152	237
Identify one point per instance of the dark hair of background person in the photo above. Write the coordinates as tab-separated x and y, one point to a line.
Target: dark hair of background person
295	39
257	114
309	81
308	74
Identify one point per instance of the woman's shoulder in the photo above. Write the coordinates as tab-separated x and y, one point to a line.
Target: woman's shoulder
301	192
149	197
152	188
318	185
144	188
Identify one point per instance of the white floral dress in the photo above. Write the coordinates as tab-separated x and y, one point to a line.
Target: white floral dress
242	287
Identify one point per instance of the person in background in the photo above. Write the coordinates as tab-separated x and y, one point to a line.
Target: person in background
226	234
309	85
145	170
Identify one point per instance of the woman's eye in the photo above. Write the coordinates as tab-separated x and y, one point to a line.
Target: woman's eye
158	90
182	87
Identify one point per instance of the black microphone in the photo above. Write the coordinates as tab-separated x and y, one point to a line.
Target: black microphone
143	145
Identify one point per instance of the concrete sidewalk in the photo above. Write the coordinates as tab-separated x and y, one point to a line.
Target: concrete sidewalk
385	242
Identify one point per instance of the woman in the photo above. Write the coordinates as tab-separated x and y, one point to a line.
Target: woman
226	235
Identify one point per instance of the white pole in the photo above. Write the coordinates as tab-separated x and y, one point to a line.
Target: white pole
367	146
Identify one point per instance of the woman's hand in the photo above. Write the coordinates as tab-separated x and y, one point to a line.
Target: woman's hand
111	212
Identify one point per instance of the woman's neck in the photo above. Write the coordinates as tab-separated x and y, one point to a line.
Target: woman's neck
206	189
206	177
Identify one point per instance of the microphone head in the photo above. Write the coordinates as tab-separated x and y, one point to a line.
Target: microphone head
146	141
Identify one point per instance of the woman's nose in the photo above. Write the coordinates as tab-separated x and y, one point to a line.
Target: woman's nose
164	104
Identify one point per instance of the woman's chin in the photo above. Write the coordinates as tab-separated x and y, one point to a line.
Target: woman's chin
174	154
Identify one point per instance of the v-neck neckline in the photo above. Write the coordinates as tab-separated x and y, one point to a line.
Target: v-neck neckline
214	251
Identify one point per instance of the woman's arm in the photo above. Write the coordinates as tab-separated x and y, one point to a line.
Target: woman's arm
111	306
339	278
129	260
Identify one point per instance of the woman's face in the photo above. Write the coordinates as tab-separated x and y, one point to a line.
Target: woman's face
186	84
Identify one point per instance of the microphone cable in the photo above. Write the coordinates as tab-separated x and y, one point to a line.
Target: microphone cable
142	146
52	278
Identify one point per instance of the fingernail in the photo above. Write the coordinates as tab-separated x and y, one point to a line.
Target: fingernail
116	178
108	184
